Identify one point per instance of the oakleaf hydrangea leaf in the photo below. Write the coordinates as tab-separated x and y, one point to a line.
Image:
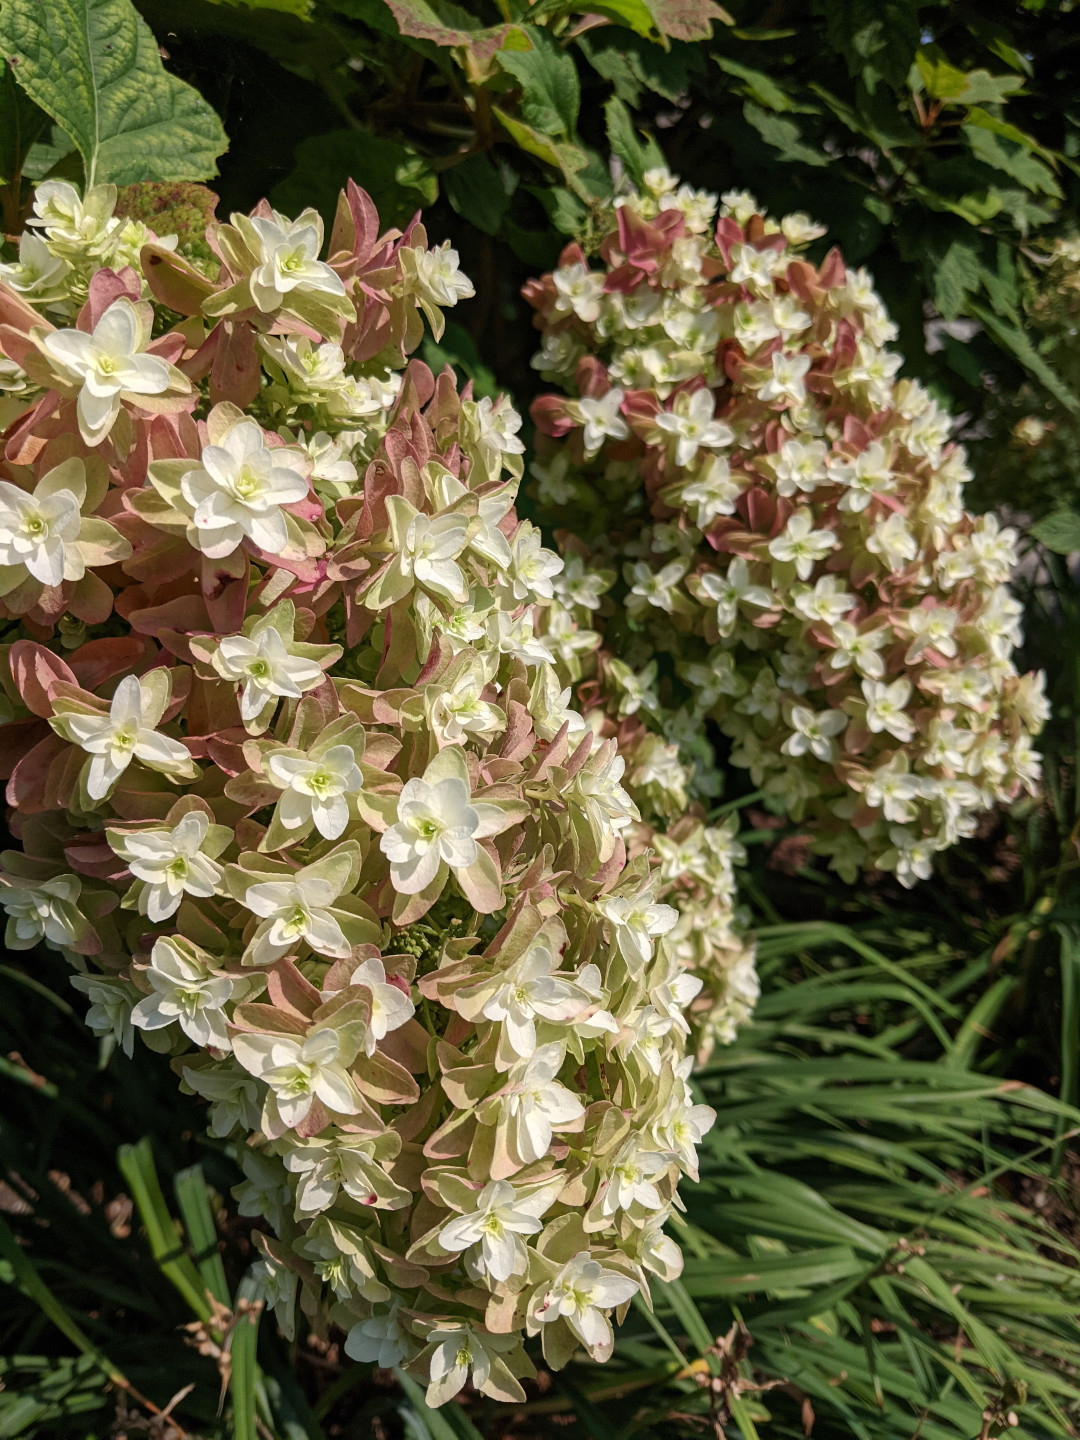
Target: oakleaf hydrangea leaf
94	66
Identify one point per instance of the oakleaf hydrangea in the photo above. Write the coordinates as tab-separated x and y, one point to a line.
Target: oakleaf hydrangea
780	517
298	789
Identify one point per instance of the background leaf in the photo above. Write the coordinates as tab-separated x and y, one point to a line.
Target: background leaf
688	19
478	191
398	179
550	93
1059	531
637	153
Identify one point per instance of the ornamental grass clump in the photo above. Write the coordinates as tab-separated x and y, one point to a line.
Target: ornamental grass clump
783	519
299	793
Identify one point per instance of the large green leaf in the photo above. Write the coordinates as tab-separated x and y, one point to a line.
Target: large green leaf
570	159
784	136
958	87
633	65
1013	339
756	84
1015	160
442	23
956	273
634	14
94	66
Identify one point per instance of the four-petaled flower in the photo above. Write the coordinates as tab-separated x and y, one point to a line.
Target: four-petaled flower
299	1072
316	790
636	921
691	425
127	733
295	912
582	1294
728	590
814	732
493	1231
38	533
460	1350
426	552
379	1339
170	863
390	1006
787	380
516	997
631	1180
438	823
287	253
536	1104
578	292
436	277
45	910
110	365
44	534
600	419
885	708
237	491
185	989
263	664
801	545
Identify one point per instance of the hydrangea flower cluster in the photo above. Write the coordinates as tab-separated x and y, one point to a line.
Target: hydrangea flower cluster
301	796
694	861
784	519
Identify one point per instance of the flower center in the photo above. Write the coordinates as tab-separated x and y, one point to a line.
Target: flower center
190	997
296	1082
247	483
297	922
321	783
427	831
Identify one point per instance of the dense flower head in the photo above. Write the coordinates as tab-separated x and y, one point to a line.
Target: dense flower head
781	517
302	797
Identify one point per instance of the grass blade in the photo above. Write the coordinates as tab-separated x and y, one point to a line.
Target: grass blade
193	1198
137	1167
245	1370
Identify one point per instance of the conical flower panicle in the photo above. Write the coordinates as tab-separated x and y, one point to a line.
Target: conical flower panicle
299	792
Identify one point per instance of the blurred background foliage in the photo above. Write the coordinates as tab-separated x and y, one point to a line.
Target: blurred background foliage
885	1240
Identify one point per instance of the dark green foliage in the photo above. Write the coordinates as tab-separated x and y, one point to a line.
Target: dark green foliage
931	139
